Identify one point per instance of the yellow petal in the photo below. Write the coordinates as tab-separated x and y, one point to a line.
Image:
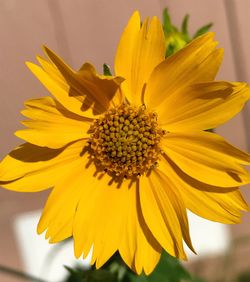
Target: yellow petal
59	212
203	106
100	90
211	202
51	125
99	218
207	158
197	62
125	53
52	70
30	168
93	90
79	91
139	51
165	213
101	221
222	207
60	90
138	248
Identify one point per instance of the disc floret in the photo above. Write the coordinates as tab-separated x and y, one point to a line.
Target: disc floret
125	141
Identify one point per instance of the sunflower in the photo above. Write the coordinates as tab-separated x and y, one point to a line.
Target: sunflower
127	155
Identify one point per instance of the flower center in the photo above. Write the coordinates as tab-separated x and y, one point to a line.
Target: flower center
125	141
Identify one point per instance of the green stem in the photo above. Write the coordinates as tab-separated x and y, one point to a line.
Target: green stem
20	274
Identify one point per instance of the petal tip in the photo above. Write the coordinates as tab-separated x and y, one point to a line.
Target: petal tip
30	65
46	49
136	14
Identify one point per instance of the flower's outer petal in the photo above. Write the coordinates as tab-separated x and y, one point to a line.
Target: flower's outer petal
223	207
99	218
199	61
208	158
58	88
101	221
210	202
98	214
30	168
203	106
138	248
93	90
104	90
60	209
139	51
51	125
165	213
51	70
84	92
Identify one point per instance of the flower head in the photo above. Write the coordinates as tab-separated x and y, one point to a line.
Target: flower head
127	155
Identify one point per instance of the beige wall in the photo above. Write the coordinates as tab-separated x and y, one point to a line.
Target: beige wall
88	30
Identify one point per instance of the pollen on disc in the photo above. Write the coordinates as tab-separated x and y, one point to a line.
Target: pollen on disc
125	141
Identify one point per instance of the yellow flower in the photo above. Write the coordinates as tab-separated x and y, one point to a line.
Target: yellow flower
128	155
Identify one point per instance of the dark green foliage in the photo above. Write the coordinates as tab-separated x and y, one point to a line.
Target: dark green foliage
177	38
79	275
169	269
203	30
106	70
184	26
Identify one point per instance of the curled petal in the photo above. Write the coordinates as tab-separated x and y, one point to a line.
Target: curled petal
84	92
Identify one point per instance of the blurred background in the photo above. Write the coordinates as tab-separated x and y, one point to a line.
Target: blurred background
89	30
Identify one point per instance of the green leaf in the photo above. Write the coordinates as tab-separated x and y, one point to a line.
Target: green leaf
170	50
106	70
169	269
101	275
203	30
184	26
167	26
82	275
75	274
